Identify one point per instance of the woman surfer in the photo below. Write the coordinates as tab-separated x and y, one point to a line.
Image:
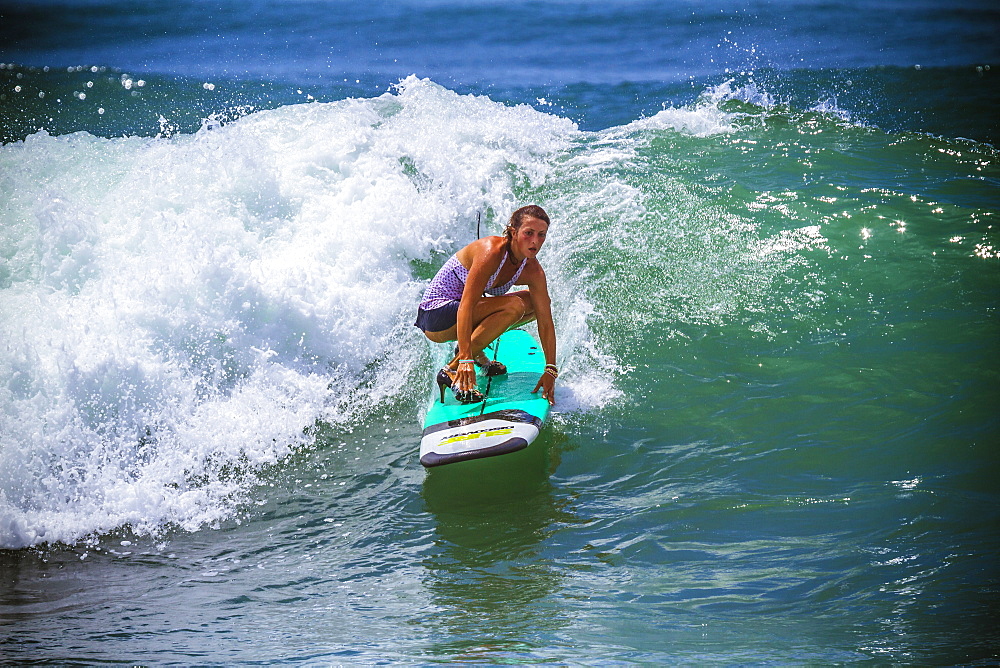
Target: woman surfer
455	308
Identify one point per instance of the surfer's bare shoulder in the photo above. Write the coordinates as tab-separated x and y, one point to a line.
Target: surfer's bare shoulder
488	250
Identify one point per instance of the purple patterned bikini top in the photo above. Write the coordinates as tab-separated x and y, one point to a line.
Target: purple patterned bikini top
448	284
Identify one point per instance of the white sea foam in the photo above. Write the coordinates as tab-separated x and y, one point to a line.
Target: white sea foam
700	121
704	118
177	312
707	117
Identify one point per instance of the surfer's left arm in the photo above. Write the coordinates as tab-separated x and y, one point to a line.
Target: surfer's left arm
542	305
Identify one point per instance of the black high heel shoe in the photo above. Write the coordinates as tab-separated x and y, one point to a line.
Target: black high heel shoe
489	367
445	379
492	367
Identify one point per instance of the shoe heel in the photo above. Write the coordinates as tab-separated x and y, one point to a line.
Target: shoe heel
443	381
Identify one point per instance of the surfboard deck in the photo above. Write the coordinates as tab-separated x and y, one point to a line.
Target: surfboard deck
507	421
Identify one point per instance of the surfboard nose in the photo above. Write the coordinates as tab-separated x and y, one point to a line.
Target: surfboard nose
431	459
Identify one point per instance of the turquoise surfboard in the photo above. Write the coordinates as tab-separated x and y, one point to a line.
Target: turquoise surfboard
507	421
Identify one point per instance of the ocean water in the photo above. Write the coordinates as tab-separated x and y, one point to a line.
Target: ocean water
775	271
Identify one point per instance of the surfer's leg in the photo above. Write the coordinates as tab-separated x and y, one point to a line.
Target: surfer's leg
502	313
491	317
527	309
488	314
517	312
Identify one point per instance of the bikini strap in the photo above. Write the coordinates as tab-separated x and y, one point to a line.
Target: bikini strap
493	278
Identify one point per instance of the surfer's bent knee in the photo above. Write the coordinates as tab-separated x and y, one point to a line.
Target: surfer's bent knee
528	307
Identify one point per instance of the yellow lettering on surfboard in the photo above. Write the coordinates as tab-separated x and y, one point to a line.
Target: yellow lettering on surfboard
498	431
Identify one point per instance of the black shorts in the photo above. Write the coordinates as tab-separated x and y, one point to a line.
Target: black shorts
437	319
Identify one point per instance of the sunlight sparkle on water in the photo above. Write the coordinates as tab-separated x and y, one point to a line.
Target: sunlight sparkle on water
986	251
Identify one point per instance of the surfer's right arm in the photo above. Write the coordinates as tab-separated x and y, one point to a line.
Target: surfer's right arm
482	257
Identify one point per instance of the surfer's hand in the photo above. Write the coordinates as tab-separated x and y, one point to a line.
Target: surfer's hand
547	383
465	377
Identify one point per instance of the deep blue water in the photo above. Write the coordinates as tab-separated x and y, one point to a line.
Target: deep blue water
775	273
602	64
519	43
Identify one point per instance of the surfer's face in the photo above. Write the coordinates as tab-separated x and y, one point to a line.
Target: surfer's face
529	237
